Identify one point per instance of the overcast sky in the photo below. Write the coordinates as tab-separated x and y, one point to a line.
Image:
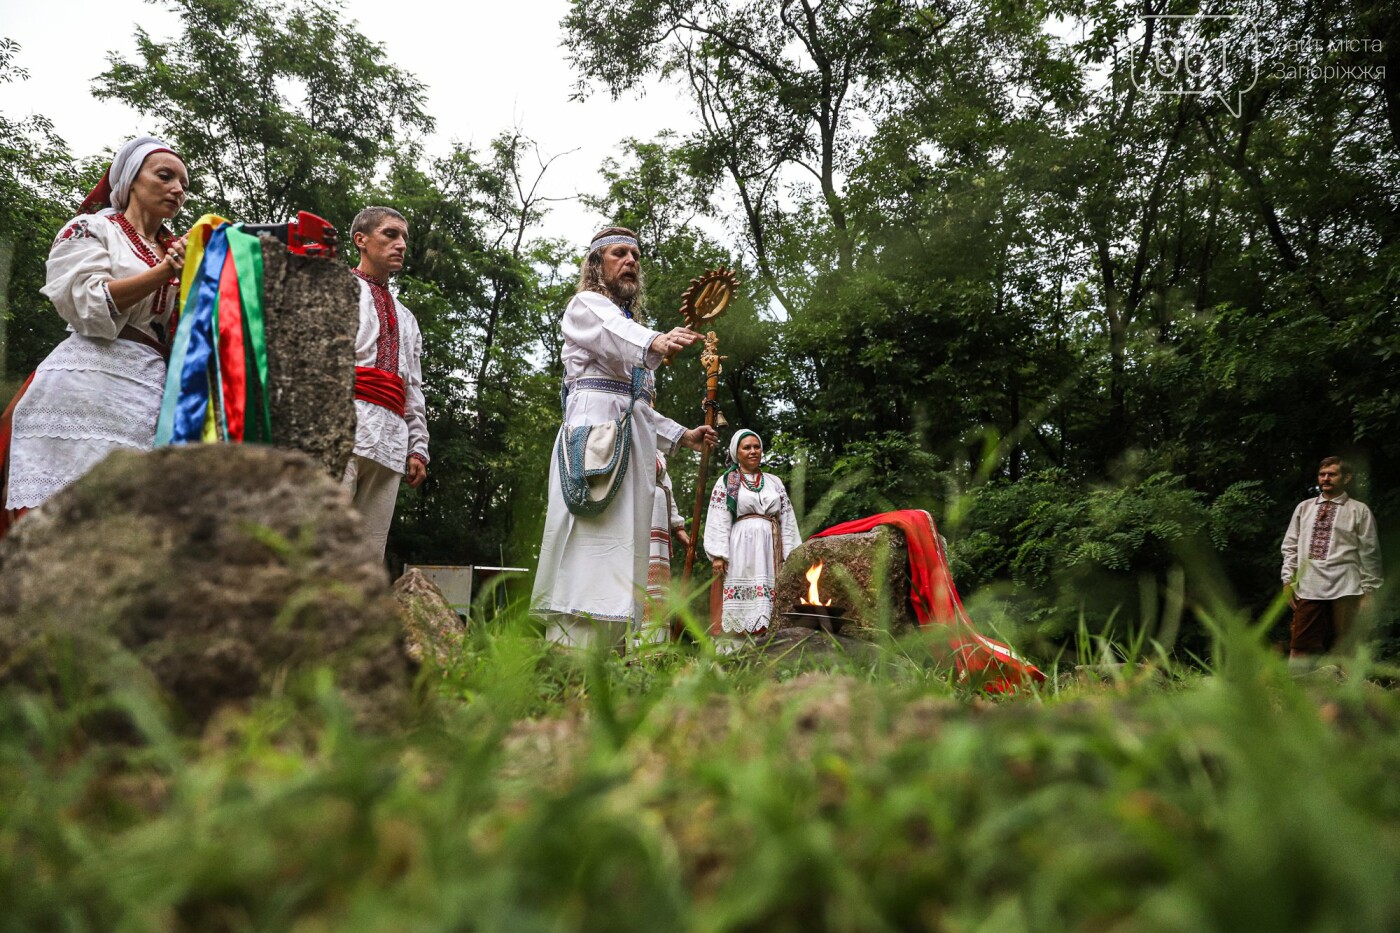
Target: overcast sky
487	67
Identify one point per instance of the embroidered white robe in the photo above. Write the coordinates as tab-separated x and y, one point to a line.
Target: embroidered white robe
593	570
381	435
1345	561
748	546
665	520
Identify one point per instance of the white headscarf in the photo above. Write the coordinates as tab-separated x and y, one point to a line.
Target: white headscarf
126	165
739	435
114	189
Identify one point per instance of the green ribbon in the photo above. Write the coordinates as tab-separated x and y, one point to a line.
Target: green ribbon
246	250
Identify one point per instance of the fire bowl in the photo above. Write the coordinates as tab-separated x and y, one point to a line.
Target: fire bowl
828	619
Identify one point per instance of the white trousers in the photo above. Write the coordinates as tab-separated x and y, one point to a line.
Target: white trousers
374	489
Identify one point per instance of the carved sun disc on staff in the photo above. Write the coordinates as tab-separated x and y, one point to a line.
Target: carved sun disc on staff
708	296
706	299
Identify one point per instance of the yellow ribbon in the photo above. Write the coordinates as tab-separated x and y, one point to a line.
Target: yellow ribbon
196	238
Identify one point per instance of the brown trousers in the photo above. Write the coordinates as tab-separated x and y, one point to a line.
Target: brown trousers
1319	625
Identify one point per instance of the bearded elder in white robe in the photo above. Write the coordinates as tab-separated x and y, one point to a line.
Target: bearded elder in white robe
592	575
750	530
113	277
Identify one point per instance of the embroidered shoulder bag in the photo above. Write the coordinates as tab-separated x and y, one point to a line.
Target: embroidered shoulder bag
593	458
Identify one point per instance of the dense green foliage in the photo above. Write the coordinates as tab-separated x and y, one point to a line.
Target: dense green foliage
313	114
544	792
987	271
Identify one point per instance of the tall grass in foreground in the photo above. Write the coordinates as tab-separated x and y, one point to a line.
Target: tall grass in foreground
676	791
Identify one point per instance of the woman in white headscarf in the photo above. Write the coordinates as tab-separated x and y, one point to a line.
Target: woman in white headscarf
750	531
114	277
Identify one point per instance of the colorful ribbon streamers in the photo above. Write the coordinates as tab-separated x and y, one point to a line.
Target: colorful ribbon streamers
228	319
210	387
195	241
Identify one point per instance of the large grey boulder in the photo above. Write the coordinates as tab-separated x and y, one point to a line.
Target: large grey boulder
212	572
433	631
312	312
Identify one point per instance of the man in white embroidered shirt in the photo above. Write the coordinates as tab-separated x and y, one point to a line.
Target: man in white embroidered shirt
1331	562
391	431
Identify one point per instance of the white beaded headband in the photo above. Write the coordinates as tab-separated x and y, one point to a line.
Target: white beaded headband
610	240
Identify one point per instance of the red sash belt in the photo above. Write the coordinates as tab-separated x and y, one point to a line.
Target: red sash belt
381	387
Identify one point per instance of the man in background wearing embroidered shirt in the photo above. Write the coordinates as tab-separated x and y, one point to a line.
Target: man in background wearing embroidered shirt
1331	562
391	433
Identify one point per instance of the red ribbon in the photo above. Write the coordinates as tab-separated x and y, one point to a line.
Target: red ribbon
381	387
233	363
936	601
99	197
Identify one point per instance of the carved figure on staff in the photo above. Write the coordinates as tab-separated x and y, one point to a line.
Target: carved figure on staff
702	303
592	575
750	530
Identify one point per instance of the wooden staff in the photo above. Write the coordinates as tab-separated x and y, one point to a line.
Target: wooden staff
706	299
710	360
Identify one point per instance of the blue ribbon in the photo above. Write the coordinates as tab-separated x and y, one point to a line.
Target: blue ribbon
195	353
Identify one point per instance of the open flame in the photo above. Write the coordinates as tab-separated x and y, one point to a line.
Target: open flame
814	597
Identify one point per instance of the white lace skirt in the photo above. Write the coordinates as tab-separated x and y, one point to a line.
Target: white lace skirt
89	397
750	583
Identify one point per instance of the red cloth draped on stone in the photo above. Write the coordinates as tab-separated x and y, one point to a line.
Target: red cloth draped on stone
6	425
381	387
936	602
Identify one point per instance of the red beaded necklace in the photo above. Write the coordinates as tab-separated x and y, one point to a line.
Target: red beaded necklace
138	242
147	255
752	487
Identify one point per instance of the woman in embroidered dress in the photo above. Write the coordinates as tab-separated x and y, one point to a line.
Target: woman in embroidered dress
114	277
750	531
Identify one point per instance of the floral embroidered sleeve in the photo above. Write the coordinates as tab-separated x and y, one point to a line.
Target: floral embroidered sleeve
78	269
717	523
